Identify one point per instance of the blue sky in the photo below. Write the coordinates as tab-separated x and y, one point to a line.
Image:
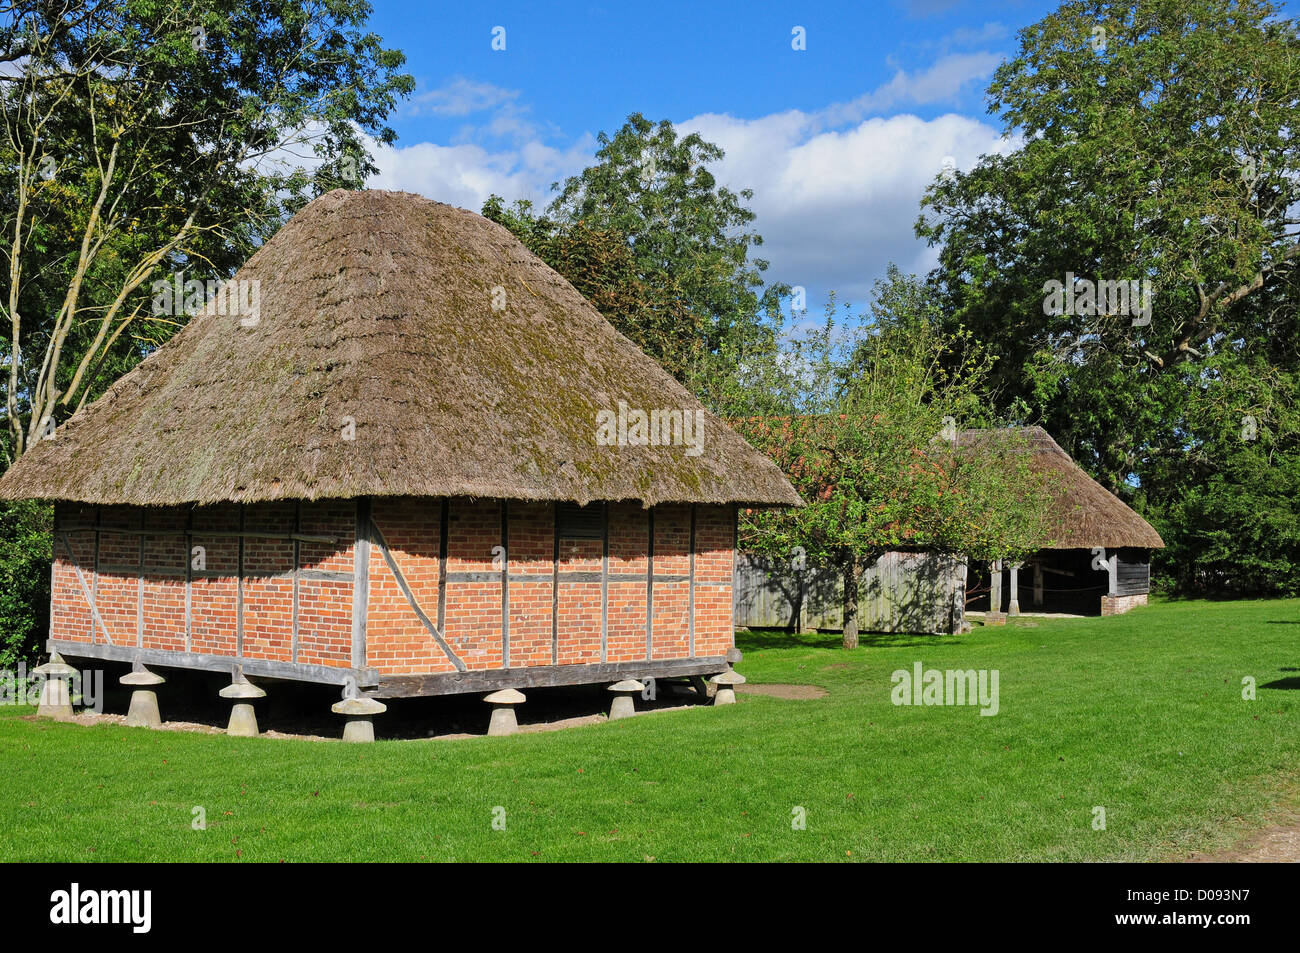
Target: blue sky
837	140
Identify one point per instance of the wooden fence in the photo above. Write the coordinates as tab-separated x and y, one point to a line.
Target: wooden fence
902	592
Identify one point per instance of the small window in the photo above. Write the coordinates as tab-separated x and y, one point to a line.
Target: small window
581	522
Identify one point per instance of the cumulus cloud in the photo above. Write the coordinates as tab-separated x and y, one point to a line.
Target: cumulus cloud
836	190
835	207
465	174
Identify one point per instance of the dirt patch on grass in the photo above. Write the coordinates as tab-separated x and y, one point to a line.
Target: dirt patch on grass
1279	843
787	692
90	719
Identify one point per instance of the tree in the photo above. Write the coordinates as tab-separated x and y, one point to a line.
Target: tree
1139	247
648	228
866	433
24	579
145	137
599	262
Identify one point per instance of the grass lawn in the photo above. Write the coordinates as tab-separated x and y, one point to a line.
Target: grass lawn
1141	714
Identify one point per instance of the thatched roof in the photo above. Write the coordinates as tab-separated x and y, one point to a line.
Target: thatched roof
378	306
1084	514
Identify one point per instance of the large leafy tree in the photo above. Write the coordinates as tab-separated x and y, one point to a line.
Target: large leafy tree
144	137
663	250
1156	143
863	425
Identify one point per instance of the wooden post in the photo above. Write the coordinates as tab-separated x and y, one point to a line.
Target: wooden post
1038	583
360	581
1013	607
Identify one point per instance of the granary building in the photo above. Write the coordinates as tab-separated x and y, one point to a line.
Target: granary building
395	477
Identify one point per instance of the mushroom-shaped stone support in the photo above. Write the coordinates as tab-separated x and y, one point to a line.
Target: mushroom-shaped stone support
624	691
503	711
56	697
143	712
359	712
243	720
726	682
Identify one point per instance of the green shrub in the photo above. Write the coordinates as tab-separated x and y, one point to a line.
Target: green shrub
25	541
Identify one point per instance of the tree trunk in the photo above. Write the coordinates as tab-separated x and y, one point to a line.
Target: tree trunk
850	570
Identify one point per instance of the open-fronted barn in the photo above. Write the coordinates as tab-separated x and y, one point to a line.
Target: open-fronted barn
424	464
1099	558
1098	562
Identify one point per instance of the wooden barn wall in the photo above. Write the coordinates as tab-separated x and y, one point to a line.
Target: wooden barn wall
1133	572
902	592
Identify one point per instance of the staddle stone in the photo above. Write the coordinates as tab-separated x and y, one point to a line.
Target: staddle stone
503	711
56	697
624	705
726	691
360	712
243	720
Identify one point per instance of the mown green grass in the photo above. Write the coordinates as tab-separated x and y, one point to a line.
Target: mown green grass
1141	714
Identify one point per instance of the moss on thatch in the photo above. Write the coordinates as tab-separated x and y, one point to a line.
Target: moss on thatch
1083	514
378	307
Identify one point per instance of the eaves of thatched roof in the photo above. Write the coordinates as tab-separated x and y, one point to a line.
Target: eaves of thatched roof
1083	513
377	308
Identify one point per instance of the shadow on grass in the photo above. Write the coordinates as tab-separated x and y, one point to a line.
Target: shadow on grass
757	639
1286	684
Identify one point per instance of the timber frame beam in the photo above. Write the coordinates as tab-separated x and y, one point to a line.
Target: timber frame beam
164	658
543	676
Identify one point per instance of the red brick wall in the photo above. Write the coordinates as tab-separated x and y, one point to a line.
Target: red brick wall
163	602
672	557
139	586
399	644
532	555
325	606
69	599
629	527
715	528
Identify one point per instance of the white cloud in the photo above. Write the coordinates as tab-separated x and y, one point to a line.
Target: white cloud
836	207
836	191
460	96
942	82
466	174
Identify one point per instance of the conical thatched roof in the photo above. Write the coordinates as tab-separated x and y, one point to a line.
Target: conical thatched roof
1084	514
378	307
